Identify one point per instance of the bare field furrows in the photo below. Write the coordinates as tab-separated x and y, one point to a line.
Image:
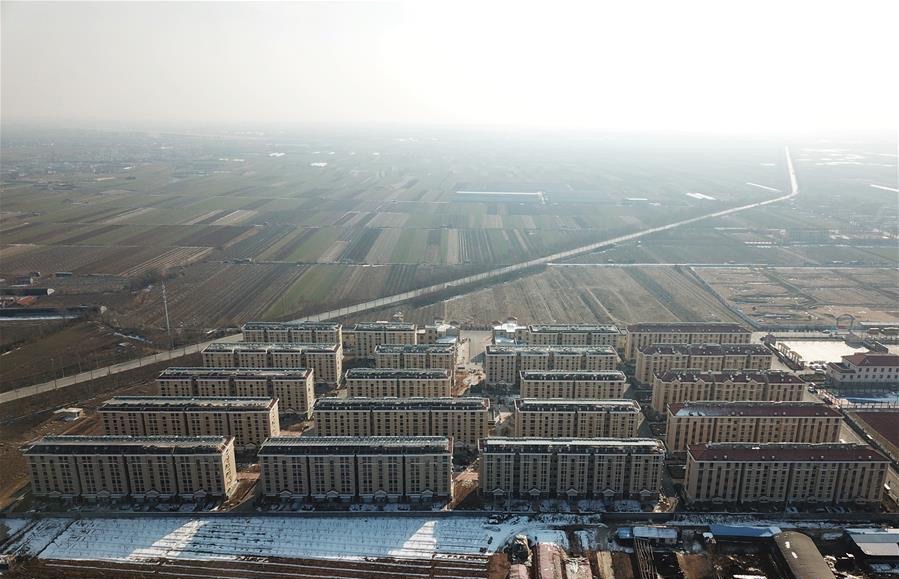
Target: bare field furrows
74	258
174	257
212	295
383	247
692	301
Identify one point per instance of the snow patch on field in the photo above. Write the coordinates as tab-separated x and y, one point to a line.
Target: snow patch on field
701	196
213	538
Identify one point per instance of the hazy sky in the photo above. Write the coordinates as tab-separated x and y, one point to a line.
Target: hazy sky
708	66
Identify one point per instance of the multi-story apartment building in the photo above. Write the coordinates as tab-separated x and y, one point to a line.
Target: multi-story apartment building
249	420
325	360
864	370
559	334
504	363
763	422
440	332
416	356
465	420
685	385
660	358
345	468
293	332
592	385
605	468
558	418
733	473
145	467
402	383
642	335
573	335
294	388
366	336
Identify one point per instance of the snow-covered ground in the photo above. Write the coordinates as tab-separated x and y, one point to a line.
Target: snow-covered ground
36	539
9	527
229	538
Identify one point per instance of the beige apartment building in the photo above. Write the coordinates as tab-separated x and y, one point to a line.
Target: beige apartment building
686	385
784	473
294	388
559	418
325	360
465	420
606	468
145	467
582	384
293	332
366	336
388	468
864	370
503	364
402	383
660	358
560	334
416	356
249	420
440	332
692	423
648	334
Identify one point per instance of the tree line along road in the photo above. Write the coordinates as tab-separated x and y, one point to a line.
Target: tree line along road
33	390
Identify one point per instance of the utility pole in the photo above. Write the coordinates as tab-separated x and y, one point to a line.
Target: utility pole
168	325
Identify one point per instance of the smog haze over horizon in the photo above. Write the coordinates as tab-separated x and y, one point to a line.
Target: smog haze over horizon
696	66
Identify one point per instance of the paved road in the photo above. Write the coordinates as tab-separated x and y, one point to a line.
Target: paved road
27	391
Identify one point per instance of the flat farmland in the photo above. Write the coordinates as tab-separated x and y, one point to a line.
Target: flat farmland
808	296
589	294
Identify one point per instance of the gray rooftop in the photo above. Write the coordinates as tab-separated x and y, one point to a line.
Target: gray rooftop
383	327
199	372
576	445
336	445
581	375
707	349
186	404
578	405
401	404
128	445
269	347
291	325
415	349
397	373
688	328
550	349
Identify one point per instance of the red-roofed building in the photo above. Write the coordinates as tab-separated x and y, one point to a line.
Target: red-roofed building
780	473
865	369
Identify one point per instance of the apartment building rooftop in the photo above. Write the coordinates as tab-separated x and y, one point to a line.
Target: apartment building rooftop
572	445
415	349
561	375
383	326
693	375
739	408
574	328
549	349
187	372
128	445
707	349
402	404
688	328
187	404
579	405
318	445
788	452
298	325
270	346
397	373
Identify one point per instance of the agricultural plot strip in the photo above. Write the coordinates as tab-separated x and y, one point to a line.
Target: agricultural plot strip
405	296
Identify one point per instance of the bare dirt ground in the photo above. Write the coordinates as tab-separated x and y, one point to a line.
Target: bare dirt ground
35	354
804	296
578	294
